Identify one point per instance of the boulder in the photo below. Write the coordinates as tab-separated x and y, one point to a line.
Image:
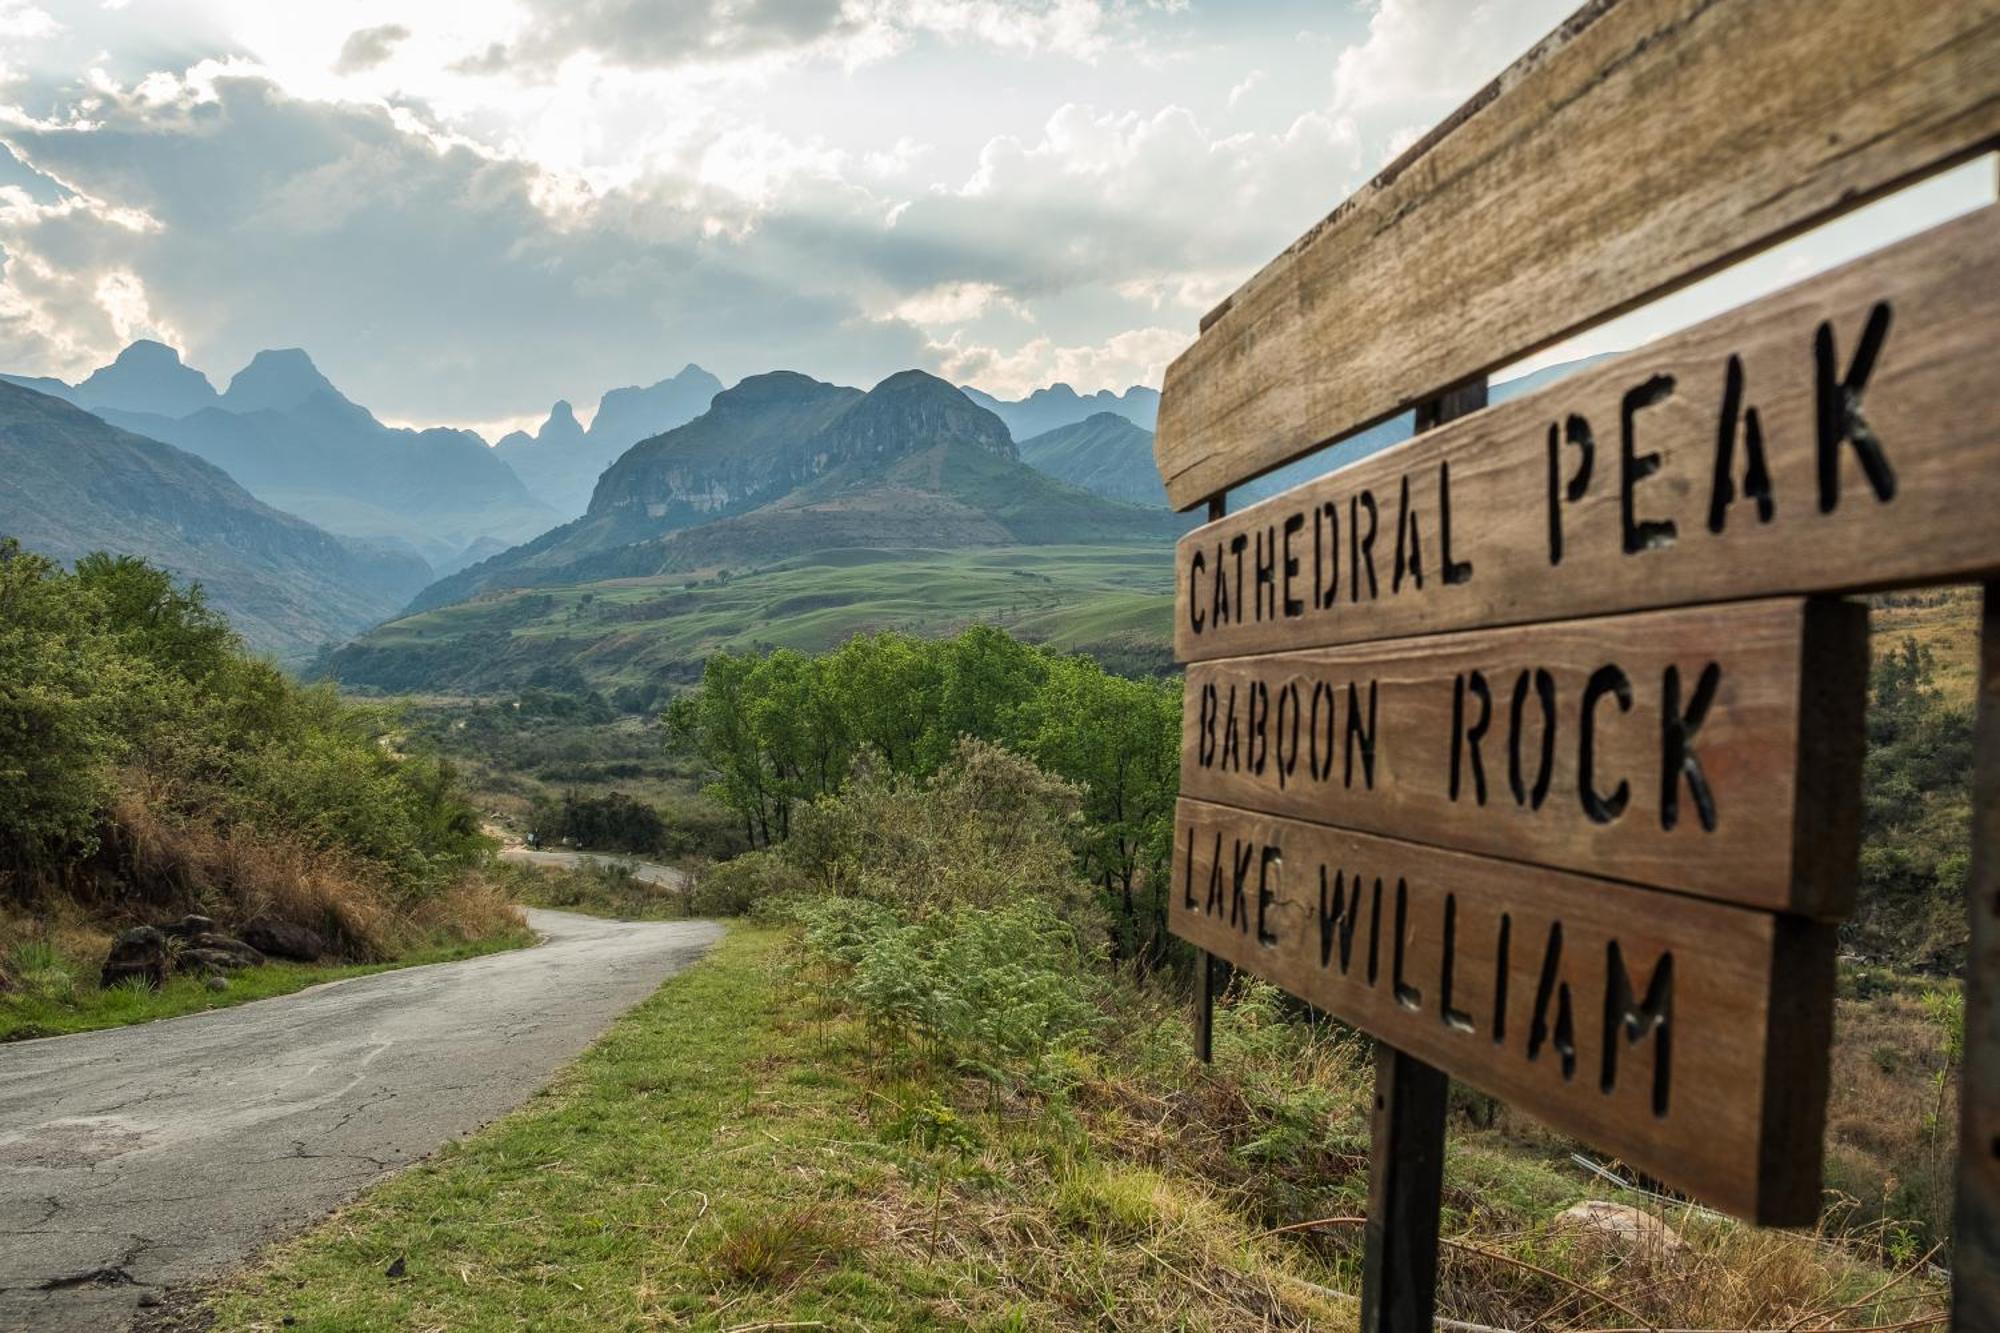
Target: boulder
1620	1224
188	927
217	982
139	952
208	960
245	955
284	939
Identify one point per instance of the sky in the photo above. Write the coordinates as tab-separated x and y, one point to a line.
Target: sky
466	209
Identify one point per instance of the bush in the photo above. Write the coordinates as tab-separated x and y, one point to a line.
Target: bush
779	733
147	761
615	822
754	883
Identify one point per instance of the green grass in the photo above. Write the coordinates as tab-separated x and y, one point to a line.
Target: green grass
736	1154
627	631
58	996
722	1160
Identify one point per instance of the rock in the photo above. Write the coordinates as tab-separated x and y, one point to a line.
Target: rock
246	956
207	960
216	982
139	952
1621	1224
188	927
284	939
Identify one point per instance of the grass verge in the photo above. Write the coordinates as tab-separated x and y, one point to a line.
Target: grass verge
738	1155
715	1163
55	1005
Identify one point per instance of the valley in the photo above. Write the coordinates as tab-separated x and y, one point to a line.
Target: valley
1113	601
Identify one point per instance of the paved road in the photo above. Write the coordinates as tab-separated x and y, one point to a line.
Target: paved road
649	871
149	1155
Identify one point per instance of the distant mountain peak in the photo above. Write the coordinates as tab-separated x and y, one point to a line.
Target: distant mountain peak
147	376
770	387
277	380
147	351
1059	404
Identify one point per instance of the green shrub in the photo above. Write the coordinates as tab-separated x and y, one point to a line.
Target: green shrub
117	683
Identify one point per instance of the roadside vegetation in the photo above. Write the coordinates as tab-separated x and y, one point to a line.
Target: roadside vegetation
151	768
917	1093
611	890
942	1077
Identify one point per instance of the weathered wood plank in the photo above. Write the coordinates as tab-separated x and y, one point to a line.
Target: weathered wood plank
1686	1036
1975	1291
1644	144
1832	437
1716	750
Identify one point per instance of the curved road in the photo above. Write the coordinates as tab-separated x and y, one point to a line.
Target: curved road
148	1155
650	872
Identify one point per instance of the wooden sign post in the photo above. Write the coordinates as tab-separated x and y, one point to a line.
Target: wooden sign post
1532	746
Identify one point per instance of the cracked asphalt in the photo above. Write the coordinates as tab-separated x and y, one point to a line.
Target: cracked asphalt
142	1157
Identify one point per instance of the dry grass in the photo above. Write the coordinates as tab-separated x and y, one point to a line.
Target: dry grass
153	866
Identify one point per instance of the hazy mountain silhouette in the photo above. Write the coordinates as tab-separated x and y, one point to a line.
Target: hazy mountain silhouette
147	377
1059	405
289	437
71	483
783	463
561	462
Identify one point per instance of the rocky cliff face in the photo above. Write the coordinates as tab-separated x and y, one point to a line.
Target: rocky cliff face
754	443
784	464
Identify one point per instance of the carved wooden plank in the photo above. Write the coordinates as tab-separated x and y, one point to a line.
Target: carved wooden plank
1642	145
1715	750
1832	437
1686	1036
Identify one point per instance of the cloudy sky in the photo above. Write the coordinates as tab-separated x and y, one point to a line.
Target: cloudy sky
467	208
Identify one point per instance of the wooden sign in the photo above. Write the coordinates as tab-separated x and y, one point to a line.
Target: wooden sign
1685	1036
1715	750
1516	744
1826	438
1641	145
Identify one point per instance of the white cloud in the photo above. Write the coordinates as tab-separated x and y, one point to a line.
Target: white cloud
365	48
19	20
1422	53
951	303
1137	356
486	204
1247	86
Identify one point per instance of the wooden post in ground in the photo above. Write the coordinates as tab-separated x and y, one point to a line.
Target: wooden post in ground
1205	963
1976	1230
1406	1162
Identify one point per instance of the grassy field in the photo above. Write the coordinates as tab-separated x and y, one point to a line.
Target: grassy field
1945	620
629	631
59	993
736	1155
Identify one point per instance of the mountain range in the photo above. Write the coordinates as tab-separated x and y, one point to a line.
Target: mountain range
561	462
290	438
1059	405
784	464
71	483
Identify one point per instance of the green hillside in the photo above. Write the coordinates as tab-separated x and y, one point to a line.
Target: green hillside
1104	454
1115	601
